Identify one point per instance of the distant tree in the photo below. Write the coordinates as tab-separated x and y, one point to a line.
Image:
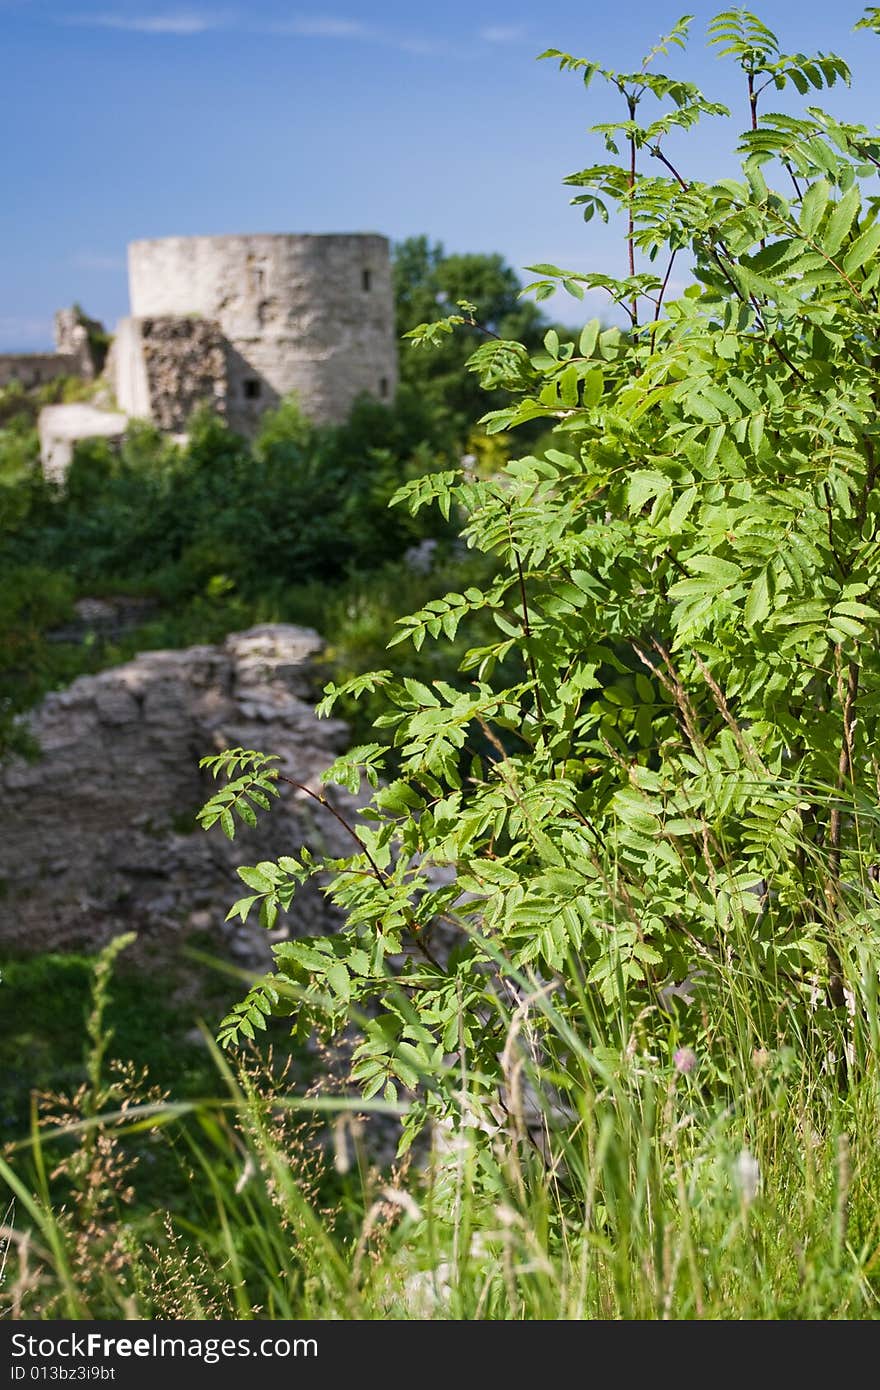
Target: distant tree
428	283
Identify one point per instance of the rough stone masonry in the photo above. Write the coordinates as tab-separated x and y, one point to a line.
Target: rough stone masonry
99	832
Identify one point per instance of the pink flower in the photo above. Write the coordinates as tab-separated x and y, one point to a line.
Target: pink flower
685	1060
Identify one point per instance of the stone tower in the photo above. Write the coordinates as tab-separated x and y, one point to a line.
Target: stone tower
242	321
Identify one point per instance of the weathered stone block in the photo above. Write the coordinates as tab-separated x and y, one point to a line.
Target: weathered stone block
95	837
62	426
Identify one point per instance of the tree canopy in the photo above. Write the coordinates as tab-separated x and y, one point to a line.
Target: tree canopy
428	284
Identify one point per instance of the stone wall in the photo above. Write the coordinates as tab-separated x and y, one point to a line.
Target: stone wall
305	315
73	355
164	368
186	367
99	833
61	427
32	369
82	339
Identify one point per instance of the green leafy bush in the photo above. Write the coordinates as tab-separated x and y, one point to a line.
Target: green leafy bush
32	599
675	798
303	503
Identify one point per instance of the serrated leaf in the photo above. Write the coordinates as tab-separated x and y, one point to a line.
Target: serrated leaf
241	908
813	206
589	338
681	508
713	443
254	879
841	220
338	979
642	486
568	388
551	342
758	602
723	571
593	387
862	250
855	610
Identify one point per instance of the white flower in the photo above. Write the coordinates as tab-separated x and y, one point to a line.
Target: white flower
747	1172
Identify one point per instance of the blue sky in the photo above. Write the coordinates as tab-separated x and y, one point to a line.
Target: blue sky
143	118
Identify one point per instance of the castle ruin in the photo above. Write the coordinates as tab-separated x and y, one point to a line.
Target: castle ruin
74	355
237	323
245	320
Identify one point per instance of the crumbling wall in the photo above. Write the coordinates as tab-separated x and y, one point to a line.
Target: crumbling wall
99	833
32	369
78	352
83	339
165	368
185	363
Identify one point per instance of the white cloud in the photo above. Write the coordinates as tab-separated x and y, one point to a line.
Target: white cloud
177	22
322	27
330	27
503	33
188	22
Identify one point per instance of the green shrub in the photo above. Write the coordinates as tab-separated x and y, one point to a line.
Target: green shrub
661	828
32	599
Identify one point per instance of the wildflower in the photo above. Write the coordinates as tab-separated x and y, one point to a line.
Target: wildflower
747	1173
685	1060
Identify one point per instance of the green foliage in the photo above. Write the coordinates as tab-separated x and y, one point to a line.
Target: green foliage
303	503
661	768
241	794
218	534
661	1202
428	282
32	599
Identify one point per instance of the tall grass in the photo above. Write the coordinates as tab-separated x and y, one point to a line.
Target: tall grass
618	1183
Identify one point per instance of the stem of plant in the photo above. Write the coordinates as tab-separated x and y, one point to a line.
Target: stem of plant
377	872
630	235
844	773
659	304
527	633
